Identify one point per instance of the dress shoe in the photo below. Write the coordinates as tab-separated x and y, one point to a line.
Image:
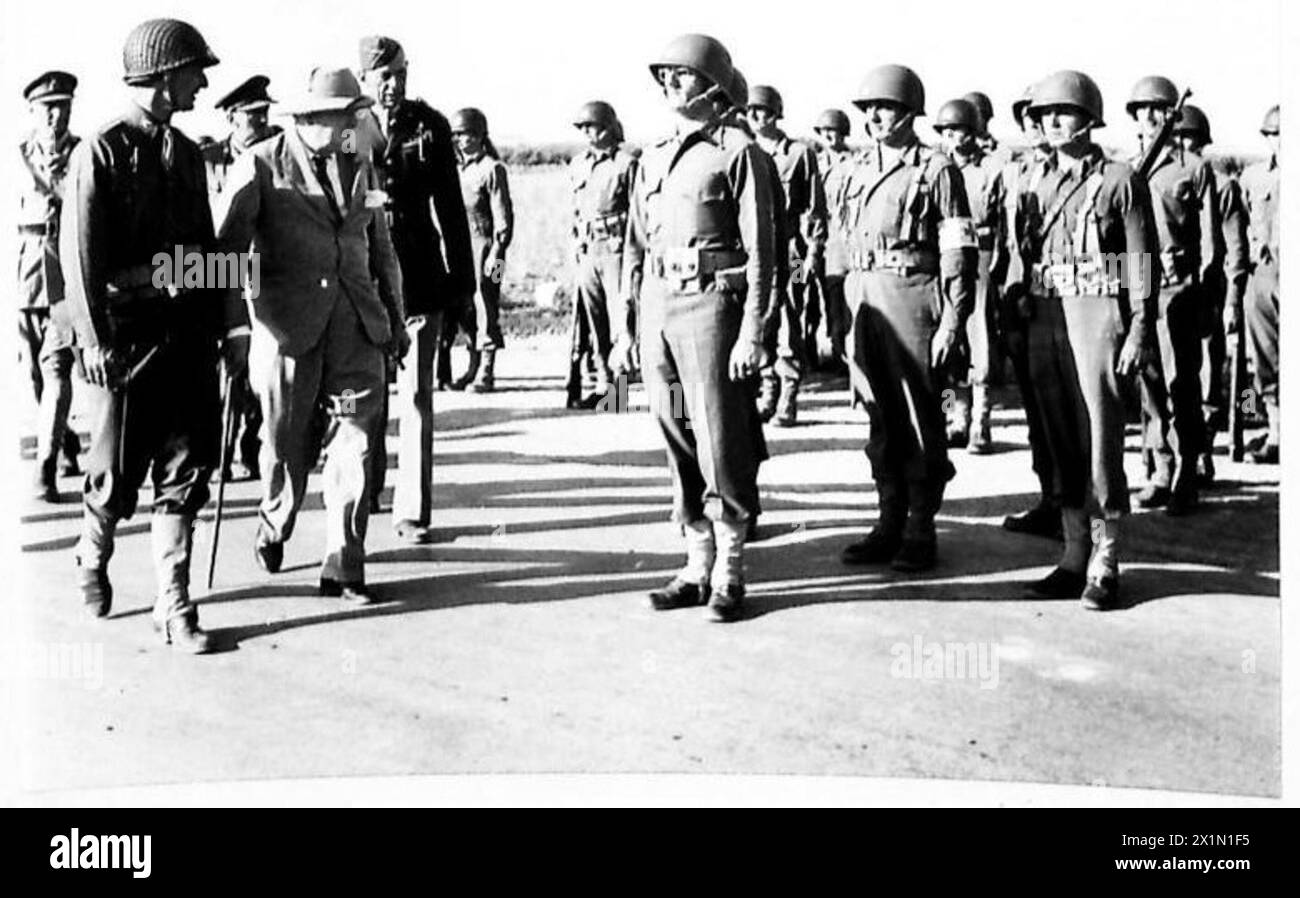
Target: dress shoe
185	635
679	593
877	547
413	532
352	593
727	605
1060	584
1044	520
1153	496
958	439
1101	594
269	554
914	556
70	467
96	590
46	487
1266	454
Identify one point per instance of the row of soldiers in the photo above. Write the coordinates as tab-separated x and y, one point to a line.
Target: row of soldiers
1090	272
704	264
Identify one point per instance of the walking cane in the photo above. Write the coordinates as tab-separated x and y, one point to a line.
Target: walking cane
228	388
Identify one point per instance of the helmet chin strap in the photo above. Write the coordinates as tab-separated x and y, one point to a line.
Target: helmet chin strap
901	125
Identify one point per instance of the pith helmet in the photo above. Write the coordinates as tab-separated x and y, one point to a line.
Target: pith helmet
768	97
700	52
959	113
161	45
1069	88
1154	90
895	84
1193	122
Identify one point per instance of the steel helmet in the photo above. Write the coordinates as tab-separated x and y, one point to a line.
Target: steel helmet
895	84
700	52
1069	88
1019	106
981	102
833	119
959	113
768	97
1272	123
1193	122
469	120
738	91
162	45
597	112
1155	90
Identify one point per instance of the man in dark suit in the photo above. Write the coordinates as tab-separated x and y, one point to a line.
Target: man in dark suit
330	308
411	147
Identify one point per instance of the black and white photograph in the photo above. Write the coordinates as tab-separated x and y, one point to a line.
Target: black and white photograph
409	396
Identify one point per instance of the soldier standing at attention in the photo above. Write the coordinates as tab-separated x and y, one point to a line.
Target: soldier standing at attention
700	251
600	178
410	146
1020	179
805	227
46	340
1225	288
1186	202
1263	185
913	257
958	125
834	160
246	110
1090	323
485	190
149	354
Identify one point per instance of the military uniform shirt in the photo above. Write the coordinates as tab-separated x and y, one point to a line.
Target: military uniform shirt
1186	203
601	182
1262	185
486	193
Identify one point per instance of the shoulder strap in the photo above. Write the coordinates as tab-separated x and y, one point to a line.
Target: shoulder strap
1084	221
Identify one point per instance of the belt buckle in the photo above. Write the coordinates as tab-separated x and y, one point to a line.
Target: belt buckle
682	263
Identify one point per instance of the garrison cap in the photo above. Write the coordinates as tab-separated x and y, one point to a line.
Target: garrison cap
249	95
51	87
379	52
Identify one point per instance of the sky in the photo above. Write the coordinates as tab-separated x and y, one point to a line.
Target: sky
530	65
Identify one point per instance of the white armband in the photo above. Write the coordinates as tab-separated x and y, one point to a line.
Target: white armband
956	233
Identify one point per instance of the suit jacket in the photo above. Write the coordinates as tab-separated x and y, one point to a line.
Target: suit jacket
308	259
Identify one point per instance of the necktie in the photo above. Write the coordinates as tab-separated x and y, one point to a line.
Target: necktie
321	164
167	147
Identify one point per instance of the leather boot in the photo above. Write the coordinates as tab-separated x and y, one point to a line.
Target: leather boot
485	382
71	450
787	406
174	615
471	373
1183	495
94	549
573	386
981	437
918	549
884	540
768	394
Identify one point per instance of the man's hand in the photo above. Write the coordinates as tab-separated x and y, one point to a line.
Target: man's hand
400	345
746	360
101	366
947	347
620	354
1130	354
234	355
